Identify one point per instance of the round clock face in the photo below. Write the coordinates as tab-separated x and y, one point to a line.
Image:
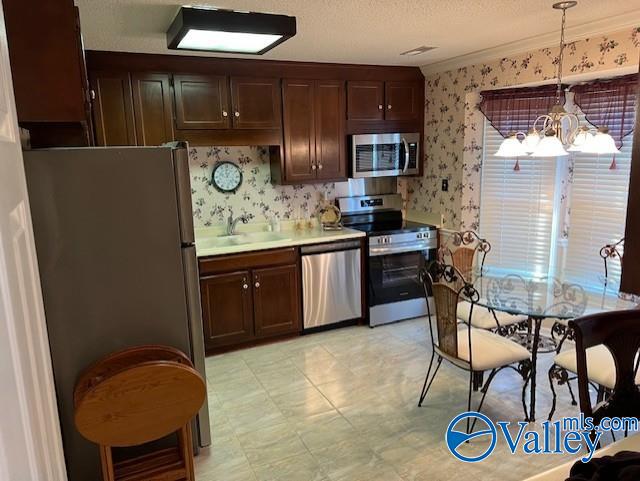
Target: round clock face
226	177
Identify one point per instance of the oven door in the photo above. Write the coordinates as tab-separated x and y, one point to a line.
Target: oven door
381	155
393	277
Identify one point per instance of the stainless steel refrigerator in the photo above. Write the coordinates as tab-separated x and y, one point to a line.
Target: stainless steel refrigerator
115	244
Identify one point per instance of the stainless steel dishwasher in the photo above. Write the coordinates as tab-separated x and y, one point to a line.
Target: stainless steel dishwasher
331	283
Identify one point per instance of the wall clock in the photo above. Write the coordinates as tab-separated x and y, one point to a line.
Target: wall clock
226	177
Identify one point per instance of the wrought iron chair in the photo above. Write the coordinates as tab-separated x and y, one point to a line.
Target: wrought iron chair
564	367
468	246
619	333
471	349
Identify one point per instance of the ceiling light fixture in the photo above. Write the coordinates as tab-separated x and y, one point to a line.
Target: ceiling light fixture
228	31
560	130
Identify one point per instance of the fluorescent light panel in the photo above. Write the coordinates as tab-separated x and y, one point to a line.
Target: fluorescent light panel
226	41
228	31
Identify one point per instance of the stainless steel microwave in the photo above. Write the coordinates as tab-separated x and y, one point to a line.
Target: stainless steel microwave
383	155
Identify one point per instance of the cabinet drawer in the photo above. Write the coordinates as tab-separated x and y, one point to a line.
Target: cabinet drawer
248	260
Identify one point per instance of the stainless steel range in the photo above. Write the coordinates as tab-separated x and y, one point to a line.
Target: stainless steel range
397	249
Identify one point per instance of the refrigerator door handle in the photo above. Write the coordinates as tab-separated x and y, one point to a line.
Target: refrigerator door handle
192	286
183	191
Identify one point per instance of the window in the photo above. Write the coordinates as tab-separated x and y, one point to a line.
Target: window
516	208
598	209
521	212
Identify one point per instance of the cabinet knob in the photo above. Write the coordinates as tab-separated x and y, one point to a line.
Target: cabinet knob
313	166
380	107
257	284
237	114
225	113
389	106
319	166
245	286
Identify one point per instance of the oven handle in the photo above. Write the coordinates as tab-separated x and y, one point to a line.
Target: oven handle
406	155
400	248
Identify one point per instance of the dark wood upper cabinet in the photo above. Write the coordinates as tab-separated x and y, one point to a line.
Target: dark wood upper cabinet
365	100
256	103
401	100
113	109
152	107
299	130
276	300
202	102
330	132
227	315
47	61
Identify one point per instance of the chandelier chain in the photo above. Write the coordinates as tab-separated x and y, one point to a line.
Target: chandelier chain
561	55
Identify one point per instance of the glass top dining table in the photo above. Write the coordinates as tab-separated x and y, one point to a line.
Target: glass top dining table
546	297
541	298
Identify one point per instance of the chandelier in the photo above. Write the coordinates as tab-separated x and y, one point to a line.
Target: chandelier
557	133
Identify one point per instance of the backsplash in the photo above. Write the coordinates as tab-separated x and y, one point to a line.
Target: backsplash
257	197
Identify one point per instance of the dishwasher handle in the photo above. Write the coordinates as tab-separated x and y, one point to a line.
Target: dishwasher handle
329	247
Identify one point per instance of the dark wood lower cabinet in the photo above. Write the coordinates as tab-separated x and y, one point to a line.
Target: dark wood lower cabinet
249	297
276	300
227	315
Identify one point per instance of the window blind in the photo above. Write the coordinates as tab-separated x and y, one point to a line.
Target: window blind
598	213
516	214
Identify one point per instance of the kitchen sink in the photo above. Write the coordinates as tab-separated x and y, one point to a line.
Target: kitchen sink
240	239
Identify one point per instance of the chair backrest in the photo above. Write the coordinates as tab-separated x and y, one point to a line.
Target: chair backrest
467	243
446	295
446	302
610	252
619	331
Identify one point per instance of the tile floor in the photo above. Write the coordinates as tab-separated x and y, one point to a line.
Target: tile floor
342	406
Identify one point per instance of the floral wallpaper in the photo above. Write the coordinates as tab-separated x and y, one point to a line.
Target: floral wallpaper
453	122
256	198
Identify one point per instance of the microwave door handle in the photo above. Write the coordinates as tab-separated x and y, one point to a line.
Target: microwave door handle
406	155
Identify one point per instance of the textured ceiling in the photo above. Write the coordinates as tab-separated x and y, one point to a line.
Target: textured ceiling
354	31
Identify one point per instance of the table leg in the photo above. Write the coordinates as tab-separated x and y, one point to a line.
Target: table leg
537	323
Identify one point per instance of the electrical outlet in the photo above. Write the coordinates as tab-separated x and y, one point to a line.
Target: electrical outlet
445	185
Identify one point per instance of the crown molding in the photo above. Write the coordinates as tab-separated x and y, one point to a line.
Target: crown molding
579	32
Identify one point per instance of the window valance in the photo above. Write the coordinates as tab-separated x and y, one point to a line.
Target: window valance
609	103
515	110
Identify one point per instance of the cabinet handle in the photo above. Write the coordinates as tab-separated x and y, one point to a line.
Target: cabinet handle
319	166
237	114
313	166
389	106
225	113
245	286
380	107
257	284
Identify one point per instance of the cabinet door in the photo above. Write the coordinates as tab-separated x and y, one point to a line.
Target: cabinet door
256	103
113	108
276	300
202	102
227	316
45	50
401	100
299	130
152	108
329	126
365	100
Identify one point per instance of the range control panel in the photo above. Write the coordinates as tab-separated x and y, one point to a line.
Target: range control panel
404	237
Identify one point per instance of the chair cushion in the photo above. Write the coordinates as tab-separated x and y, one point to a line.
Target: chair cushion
601	368
489	350
482	318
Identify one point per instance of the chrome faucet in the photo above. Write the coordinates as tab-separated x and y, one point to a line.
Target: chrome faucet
231	222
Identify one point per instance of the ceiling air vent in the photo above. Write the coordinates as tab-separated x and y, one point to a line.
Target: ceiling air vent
417	50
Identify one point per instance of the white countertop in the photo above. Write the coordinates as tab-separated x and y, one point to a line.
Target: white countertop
211	241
